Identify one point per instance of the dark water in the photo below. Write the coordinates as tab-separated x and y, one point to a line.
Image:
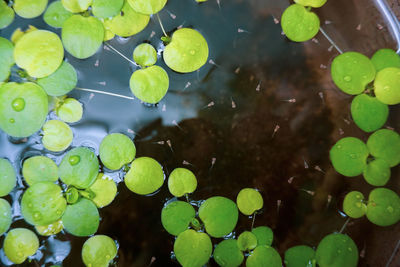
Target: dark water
262	113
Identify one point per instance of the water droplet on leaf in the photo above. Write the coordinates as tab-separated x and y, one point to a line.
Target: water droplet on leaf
18	104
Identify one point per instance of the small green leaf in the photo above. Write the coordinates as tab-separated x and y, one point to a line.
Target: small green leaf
70	110
249	201
176	217
385	58
50	229
6	15
145	55
181	181
39	169
99	250
385	144
300	256
57	135
192	249
6	56
383	207
116	150
104	189
6	216
264	235
147	7
353	205
106	8
377	172
8	178
247	241
264	256
311	3
228	254
387	86
368	112
81	218
337	250
56	14
19	244
29	9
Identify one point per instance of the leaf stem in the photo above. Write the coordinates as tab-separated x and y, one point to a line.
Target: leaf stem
162	27
119	53
104	93
344	225
254	220
331	41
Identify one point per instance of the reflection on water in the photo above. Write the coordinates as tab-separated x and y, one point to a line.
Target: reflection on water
262	113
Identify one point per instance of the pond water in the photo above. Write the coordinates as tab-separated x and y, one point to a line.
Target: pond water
262	113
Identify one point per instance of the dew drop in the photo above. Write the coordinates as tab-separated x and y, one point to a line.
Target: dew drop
19	254
192	52
12	120
353	156
36	216
73	160
390	209
339	146
18	104
58	212
347	78
386	88
30	205
358	204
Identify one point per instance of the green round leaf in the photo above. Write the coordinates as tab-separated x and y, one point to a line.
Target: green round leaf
43	203
176	217
23	108
128	22
82	36
19	244
377	172
249	201
39	169
81	218
6	216
337	250
145	55
6	15
8	178
98	250
116	150
70	110
147	7
29	9
369	113
228	254
181	181
219	215
192	249
349	156
104	189
387	86
300	256
264	256
311	3
57	135
6	57
264	235
299	24
352	72
56	14
247	241
61	82
76	6
383	207
106	8
79	168
50	229
150	84
385	58
353	205
145	176
39	52
385	144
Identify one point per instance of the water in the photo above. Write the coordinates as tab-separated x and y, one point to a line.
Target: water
262	113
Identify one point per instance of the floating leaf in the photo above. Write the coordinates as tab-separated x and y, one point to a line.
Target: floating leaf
264	235
219	215
385	144
116	150
145	176
108	34
247	241
228	254
57	135
352	72
6	58
43	203
50	229
39	169
81	218
6	14
29	9
104	189
23	108
383	207
337	250
19	244
299	24
106	8
249	201
387	86
147	7
176	217
61	82
353	205
98	250
349	156
311	3
76	6
56	14
187	51
300	256
377	172
82	36
369	113
181	181
79	168
385	58
145	55
6	216
8	178
192	248
70	110
264	256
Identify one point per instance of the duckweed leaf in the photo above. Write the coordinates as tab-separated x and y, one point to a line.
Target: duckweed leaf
264	235
81	218
6	216
352	72
145	55
377	172
337	250
247	241
8	178
368	113
70	110
385	144
98	250
23	108
187	51
6	58
116	150
39	169
383	207
181	181
264	256
300	256
219	215
349	156
29	9
76	6
19	244
6	14
57	135
104	189
192	248
106	8
145	176
108	34
299	24
176	217
82	36
79	168
387	86
385	58
249	200
147	7
353	205
56	14
311	3
228	254
50	229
